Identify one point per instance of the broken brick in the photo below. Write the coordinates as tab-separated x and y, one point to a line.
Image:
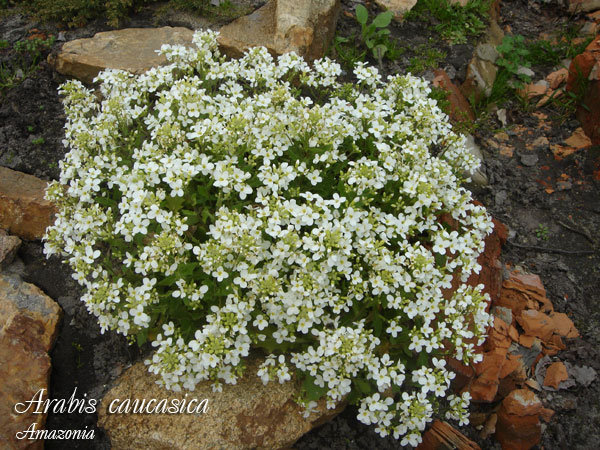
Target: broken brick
555	374
536	323
442	435
518	425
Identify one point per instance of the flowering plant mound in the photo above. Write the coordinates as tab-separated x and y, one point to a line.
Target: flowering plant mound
215	206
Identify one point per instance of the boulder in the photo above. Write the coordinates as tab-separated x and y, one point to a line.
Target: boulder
131	49
23	210
283	26
584	82
397	7
242	416
28	328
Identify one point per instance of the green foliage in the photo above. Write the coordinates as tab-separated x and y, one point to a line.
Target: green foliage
76	13
38	141
426	57
455	23
375	36
542	232
24	61
552	52
513	56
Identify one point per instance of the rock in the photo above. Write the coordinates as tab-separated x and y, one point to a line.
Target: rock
580	6
478	178
556	78
481	71
555	374
584	82
518	426
442	435
526	71
584	375
397	7
131	49
533	90
529	160
460	109
8	249
578	140
28	328
283	26
23	210
242	416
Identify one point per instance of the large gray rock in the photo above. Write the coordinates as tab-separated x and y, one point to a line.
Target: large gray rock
131	49
305	27
244	416
28	328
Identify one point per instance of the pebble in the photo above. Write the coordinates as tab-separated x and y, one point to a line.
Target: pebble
529	160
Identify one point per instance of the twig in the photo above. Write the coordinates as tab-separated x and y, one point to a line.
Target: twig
585	233
552	250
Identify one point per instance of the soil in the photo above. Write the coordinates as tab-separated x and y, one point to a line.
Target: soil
517	195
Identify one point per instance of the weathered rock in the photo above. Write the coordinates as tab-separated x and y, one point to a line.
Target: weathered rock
243	416
518	426
443	436
481	71
283	26
558	77
580	6
584	81
8	249
23	210
28	328
397	7
131	49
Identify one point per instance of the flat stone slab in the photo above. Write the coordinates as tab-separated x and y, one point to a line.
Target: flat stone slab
247	415
23	210
130	49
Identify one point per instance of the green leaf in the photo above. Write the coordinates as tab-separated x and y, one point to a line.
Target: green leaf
383	19
142	337
361	14
363	386
313	392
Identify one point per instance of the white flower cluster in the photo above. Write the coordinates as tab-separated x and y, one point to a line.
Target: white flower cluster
216	205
